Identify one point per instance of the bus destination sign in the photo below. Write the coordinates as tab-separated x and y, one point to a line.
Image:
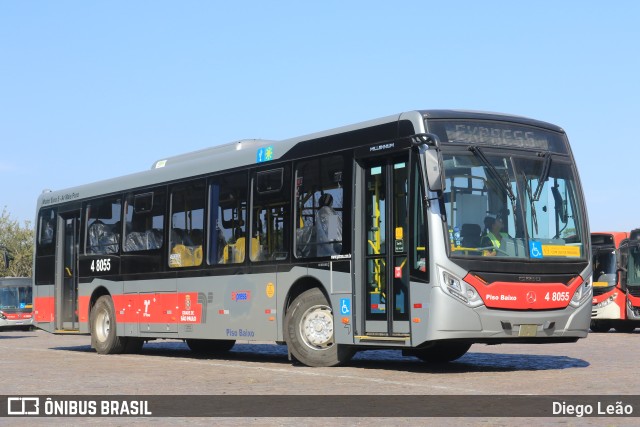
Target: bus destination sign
501	135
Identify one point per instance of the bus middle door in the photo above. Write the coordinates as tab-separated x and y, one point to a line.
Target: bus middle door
385	233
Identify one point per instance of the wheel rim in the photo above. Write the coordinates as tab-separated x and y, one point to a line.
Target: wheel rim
316	327
103	326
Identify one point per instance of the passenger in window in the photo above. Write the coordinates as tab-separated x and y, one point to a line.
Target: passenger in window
328	228
493	235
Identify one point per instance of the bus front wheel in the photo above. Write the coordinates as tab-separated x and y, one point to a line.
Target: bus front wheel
103	328
309	331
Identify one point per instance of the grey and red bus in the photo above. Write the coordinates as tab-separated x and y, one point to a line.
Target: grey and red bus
609	296
630	279
362	237
16	302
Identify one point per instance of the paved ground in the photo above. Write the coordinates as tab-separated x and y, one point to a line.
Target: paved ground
37	363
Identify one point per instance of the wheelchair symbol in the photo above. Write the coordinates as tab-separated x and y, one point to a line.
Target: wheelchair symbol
345	306
535	248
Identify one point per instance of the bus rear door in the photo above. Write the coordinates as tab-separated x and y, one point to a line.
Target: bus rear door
66	286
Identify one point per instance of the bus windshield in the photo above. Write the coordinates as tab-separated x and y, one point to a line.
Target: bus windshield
604	267
15	297
503	203
633	266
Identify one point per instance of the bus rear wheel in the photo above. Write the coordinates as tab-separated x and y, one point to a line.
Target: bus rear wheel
103	328
210	346
442	352
309	331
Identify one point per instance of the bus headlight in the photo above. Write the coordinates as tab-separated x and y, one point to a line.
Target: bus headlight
582	293
459	289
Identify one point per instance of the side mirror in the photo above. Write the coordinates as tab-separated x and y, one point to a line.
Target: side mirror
429	145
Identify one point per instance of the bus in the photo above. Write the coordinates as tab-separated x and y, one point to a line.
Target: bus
609	298
16	302
367	236
629	265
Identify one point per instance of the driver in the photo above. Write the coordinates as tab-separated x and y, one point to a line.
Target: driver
493	235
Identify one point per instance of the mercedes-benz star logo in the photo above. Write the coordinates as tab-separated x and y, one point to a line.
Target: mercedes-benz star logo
531	297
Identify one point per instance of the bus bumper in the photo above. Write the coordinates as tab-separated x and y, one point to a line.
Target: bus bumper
8	323
486	325
611	311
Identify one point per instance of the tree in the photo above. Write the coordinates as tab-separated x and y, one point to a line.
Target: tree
18	242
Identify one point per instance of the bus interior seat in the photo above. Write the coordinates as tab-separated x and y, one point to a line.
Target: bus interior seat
143	240
102	238
196	236
471	235
180	237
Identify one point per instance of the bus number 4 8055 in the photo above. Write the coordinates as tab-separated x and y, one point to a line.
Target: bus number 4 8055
557	296
98	265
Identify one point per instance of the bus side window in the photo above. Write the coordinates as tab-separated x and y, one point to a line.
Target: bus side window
187	219
144	221
319	207
270	228
47	231
227	218
103	231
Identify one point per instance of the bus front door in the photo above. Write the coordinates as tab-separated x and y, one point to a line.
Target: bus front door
385	236
67	273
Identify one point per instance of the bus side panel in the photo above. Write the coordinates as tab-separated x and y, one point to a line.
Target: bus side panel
234	307
420	310
83	313
342	304
44	307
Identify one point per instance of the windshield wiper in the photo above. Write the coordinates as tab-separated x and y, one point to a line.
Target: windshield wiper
544	176
492	169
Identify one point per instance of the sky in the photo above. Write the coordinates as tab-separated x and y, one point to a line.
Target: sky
95	90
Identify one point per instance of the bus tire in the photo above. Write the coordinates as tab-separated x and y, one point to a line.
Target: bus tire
309	332
210	346
600	326
442	352
103	328
625	328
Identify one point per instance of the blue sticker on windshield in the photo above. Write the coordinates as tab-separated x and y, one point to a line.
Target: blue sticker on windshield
535	249
264	154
